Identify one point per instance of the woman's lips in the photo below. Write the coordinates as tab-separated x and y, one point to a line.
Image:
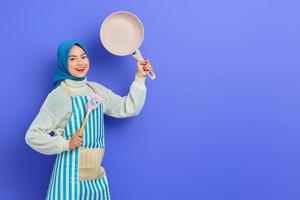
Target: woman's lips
80	69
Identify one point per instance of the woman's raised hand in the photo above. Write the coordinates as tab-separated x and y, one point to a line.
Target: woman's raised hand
143	68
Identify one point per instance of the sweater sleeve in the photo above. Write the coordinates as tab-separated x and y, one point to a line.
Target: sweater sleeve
126	106
50	116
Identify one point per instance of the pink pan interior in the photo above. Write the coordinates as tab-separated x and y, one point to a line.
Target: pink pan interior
122	33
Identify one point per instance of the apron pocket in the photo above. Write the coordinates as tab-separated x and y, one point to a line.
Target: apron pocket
90	163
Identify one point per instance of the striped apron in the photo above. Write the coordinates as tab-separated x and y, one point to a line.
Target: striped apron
64	182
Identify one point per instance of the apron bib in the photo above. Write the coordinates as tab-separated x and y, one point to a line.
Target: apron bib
65	183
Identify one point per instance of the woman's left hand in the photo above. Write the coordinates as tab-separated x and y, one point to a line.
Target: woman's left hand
143	68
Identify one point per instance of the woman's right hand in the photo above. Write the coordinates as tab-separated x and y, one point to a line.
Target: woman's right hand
75	141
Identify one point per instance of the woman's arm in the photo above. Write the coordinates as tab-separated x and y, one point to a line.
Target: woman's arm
38	135
126	106
132	104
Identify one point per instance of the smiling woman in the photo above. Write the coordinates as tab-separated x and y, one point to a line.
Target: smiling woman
77	172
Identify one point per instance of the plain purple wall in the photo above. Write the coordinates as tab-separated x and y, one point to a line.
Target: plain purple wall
221	122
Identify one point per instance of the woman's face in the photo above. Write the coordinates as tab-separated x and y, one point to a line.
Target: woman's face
78	62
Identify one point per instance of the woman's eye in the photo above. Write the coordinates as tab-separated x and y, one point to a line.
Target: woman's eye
72	59
83	57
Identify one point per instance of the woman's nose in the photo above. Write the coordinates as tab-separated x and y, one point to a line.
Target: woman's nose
79	61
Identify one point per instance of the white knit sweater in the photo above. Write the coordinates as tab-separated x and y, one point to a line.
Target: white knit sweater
56	110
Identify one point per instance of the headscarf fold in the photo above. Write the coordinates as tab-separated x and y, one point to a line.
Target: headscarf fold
62	71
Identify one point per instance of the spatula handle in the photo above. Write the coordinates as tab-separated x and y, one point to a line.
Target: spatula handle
138	56
83	124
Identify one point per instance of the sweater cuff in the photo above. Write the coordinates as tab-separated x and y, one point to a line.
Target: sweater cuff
64	144
139	79
139	82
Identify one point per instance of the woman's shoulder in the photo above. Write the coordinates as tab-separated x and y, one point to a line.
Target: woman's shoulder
57	103
57	97
58	93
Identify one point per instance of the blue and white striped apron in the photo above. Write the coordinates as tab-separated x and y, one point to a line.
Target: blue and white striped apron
65	183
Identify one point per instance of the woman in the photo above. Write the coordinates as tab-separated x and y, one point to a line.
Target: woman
77	172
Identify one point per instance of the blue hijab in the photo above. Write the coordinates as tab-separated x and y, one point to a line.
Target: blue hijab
62	71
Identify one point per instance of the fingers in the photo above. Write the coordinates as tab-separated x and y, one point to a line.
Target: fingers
144	62
78	137
148	68
80	134
76	140
145	65
76	144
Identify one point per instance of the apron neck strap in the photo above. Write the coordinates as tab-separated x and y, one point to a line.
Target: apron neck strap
66	88
90	86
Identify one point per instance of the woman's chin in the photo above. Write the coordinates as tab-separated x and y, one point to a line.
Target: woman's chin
79	75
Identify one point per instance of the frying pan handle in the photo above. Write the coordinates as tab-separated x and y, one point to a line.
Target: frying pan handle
138	56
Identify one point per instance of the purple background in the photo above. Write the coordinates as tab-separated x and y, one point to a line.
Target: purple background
221	122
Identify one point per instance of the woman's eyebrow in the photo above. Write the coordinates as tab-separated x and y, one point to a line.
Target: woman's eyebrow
76	56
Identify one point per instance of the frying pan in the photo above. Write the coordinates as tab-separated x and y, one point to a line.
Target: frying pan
122	34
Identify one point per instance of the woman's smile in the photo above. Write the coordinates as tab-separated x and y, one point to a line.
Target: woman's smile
80	69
